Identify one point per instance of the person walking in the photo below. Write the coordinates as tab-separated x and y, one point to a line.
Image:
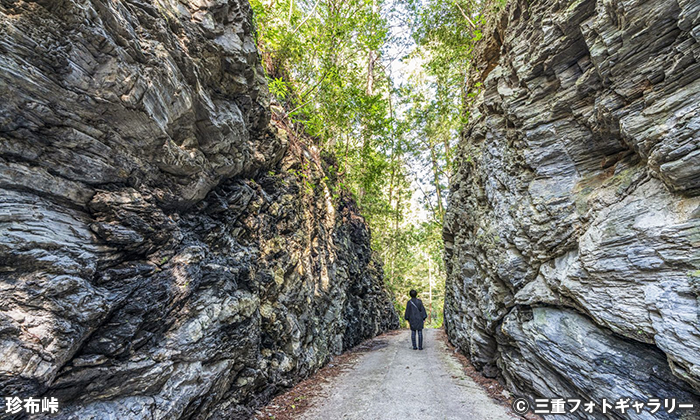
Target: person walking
415	315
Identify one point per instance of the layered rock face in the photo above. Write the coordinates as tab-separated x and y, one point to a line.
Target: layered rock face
165	252
573	230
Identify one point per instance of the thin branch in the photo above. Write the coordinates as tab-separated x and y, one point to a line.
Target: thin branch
313	9
465	15
315	86
299	107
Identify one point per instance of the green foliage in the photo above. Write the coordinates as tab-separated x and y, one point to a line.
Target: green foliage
327	67
415	262
321	49
278	87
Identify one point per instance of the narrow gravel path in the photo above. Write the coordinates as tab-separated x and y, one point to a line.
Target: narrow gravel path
397	383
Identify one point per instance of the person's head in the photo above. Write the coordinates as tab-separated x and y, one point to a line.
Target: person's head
413	293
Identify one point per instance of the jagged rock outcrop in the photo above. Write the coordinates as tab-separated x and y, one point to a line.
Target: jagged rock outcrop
165	252
572	233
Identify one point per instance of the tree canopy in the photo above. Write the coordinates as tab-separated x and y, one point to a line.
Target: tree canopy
380	87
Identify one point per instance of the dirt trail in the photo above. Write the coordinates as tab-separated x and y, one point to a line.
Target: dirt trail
392	381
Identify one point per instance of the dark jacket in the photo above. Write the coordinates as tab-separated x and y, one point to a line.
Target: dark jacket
415	314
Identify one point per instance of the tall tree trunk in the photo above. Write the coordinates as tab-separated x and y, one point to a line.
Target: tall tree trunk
370	60
436	181
430	289
393	150
370	91
370	73
448	154
397	214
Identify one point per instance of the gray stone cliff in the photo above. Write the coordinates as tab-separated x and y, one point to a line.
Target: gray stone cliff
165	250
573	230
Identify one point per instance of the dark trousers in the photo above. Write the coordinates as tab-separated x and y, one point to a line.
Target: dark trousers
420	338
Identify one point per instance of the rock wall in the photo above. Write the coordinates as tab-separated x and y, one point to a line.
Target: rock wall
165	252
573	230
